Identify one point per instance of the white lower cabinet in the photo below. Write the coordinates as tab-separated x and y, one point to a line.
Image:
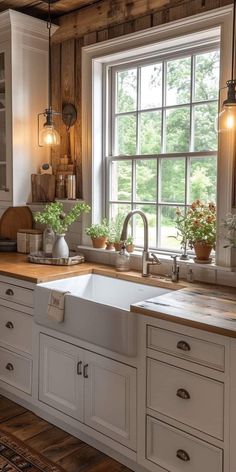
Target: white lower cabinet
92	388
177	451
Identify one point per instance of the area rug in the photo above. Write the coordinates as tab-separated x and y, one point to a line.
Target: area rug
15	456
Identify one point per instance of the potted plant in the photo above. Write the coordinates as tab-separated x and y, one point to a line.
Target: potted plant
54	216
115	229
129	244
99	234
199	228
229	225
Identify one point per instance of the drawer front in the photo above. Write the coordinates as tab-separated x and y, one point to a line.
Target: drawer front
13	293
187	397
187	347
177	451
15	370
16	329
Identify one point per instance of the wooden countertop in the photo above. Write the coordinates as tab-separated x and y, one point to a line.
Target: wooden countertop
208	307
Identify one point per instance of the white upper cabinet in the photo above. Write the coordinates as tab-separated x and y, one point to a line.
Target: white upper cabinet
23	94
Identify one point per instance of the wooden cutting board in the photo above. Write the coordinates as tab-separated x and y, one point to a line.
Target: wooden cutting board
13	219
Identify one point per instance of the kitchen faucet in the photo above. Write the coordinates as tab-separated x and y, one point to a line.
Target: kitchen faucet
147	259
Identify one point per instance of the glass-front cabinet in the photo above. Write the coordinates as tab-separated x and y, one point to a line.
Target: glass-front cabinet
5	184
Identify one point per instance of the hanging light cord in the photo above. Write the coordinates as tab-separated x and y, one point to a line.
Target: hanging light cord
233	42
49	26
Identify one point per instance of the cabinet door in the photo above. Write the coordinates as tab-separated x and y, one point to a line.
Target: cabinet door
5	123
110	398
60	376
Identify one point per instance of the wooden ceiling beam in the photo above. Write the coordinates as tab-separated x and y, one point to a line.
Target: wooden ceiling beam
103	14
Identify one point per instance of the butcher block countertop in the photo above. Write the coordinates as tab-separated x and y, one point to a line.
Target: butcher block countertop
208	307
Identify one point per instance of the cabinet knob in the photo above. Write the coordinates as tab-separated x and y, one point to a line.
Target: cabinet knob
9	325
9	291
183	346
79	368
182	455
85	373
183	394
9	366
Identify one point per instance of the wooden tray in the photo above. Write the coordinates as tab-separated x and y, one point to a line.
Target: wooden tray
44	258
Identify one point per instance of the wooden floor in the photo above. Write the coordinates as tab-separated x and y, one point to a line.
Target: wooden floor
57	445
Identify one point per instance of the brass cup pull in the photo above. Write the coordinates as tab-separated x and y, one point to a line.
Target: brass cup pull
183	346
9	325
9	366
9	291
79	368
182	455
85	373
183	394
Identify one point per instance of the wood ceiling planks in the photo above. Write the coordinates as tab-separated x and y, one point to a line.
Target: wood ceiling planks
39	8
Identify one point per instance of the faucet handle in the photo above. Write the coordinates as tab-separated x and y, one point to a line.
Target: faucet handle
157	261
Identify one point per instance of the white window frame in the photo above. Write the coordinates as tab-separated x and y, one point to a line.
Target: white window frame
94	60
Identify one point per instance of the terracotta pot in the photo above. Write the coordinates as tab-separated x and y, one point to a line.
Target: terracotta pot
109	246
202	251
118	246
129	248
99	243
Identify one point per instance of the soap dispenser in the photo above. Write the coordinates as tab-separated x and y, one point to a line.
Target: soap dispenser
123	260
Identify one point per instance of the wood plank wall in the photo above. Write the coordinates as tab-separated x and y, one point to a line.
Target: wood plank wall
104	20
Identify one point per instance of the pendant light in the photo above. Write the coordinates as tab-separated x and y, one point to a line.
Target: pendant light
227	117
48	135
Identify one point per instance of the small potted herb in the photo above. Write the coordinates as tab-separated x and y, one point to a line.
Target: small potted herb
129	244
55	218
99	234
115	229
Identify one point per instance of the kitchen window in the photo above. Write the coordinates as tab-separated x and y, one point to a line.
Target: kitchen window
160	148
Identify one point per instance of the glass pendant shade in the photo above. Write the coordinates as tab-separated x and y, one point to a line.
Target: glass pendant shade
47	134
227	117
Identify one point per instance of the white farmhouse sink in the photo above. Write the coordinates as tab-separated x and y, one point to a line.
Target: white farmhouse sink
97	309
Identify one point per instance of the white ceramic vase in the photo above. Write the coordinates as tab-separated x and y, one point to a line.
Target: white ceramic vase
60	247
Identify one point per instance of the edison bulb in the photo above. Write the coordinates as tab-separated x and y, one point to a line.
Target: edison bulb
49	136
227	119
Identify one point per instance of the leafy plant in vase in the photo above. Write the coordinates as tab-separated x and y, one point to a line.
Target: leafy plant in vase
54	217
99	234
199	223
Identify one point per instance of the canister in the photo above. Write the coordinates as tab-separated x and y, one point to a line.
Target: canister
29	240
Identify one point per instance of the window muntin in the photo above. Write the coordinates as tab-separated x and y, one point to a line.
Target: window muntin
163	141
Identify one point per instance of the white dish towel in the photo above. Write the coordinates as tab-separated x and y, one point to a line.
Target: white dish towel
56	306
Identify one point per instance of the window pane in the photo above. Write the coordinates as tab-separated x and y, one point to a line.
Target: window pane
126	135
150	132
207	76
167	228
203	172
205	138
138	232
119	208
151	86
178	81
121	180
178	129
172	180
146	180
126	99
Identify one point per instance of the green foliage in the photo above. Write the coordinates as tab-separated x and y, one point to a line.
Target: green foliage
54	216
98	230
115	228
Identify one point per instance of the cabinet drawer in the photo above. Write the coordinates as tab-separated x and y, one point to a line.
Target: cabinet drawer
177	451
15	370
190	398
13	293
187	347
16	329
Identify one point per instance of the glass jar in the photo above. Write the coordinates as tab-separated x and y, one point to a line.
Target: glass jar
48	240
123	260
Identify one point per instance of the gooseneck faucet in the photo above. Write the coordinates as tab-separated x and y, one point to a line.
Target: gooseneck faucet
147	259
